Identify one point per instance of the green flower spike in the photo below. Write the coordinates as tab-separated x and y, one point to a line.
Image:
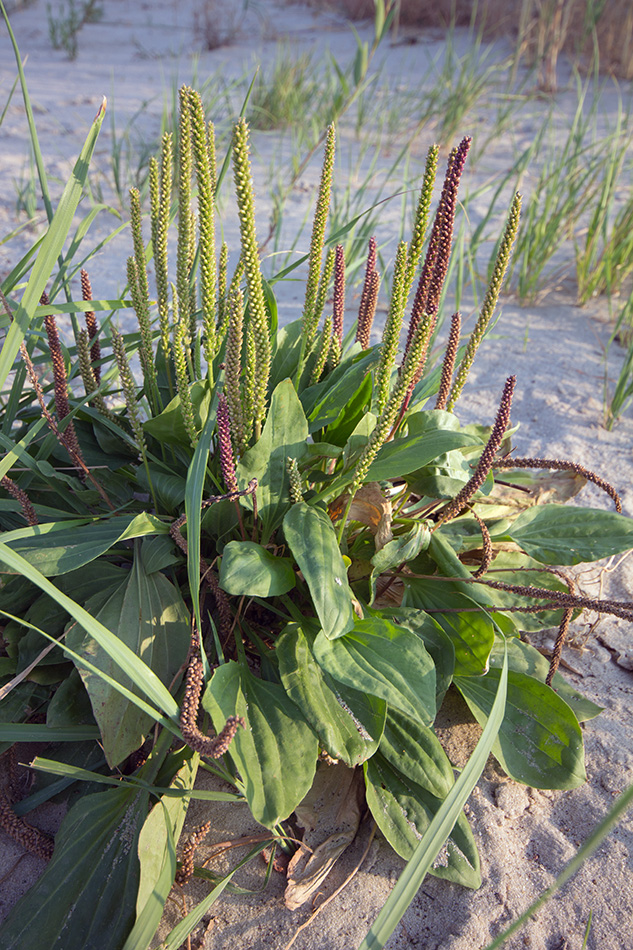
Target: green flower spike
184	208
324	285
233	369
179	355
250	256
393	325
310	315
421	219
139	250
204	158
88	376
388	416
129	392
294	477
250	385
146	353
160	228
222	298
490	300
323	351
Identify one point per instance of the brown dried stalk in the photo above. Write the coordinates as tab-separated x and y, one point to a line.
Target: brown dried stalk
185	871
369	297
92	327
453	508
486	545
561	465
62	406
32	839
20	495
211	747
449	361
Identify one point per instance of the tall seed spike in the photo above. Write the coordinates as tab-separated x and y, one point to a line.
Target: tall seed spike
227	462
323	351
92	325
184	208
421	220
62	406
129	391
317	240
490	300
393	325
339	294
139	247
205	177
367	310
249	387
250	256
449	361
362	334
160	248
222	285
28	511
233	370
179	355
324	285
146	352
89	379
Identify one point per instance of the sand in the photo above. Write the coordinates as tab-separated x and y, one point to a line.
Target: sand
560	355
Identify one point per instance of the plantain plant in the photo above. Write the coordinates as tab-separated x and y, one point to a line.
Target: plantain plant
265	548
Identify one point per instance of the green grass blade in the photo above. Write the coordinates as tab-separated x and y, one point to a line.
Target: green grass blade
193	498
49	251
438	831
128	662
33	732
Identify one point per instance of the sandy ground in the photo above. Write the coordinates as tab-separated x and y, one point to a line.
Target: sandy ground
557	351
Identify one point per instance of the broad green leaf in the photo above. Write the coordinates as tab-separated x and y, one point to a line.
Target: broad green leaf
248	568
383	660
157	856
276	753
540	742
351	413
147	614
64	546
439	645
324	403
415	751
403	548
436	834
561	534
404	810
312	539
341	733
472	633
523	658
81	903
49	251
126	659
285	434
169	425
401	456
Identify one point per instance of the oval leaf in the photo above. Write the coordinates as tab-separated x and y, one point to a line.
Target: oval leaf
341	733
248	568
539	742
383	660
312	539
403	811
276	753
558	534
